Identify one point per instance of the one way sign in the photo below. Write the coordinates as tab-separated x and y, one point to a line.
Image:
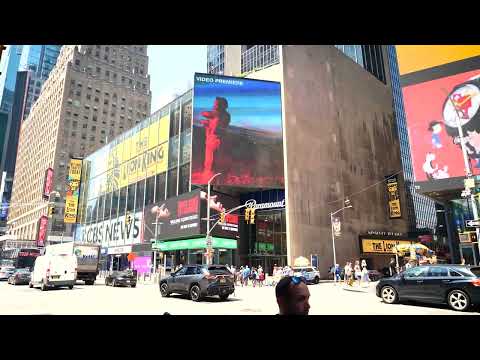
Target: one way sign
472	223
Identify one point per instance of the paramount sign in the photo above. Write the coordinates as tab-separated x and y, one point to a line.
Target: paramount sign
269	205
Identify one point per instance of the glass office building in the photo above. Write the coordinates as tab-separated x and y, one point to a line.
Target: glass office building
8	68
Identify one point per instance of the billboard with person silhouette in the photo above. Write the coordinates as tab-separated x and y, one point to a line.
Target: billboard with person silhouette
237	131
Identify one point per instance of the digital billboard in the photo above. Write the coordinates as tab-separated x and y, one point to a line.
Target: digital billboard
185	216
432	109
73	191
237	131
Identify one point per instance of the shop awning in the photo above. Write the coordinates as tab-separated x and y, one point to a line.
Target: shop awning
195	243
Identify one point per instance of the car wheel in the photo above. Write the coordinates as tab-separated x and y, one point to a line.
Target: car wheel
133	285
164	290
44	286
114	283
70	287
195	293
30	285
458	300
317	280
224	297
389	295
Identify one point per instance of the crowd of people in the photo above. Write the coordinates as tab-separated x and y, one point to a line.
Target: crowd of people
351	273
256	276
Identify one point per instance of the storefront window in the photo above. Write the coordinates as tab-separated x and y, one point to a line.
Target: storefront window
184	182
187	116
108	206
160	187
122	201
131	197
150	191
172	183
174	122
140	195
114	204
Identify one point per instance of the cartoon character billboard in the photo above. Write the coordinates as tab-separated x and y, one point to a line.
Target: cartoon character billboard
237	131
432	109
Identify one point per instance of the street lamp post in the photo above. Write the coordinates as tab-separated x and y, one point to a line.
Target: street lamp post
209	240
347	205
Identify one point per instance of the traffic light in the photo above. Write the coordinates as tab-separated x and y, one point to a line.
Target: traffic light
51	210
128	219
222	217
252	216
473	236
247	215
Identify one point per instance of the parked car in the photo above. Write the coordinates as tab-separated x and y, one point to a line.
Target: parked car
199	281
20	277
455	285
312	275
6	272
52	271
122	278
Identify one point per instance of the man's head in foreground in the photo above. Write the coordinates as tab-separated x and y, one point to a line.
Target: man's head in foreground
292	296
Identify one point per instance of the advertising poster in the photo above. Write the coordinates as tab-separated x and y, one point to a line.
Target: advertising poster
393	197
177	217
48	183
143	264
73	191
432	110
42	231
136	155
220	202
237	131
380	246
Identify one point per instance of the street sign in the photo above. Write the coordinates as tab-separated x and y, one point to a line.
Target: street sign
472	223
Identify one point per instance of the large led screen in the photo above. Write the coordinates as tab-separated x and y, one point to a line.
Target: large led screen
237	131
432	109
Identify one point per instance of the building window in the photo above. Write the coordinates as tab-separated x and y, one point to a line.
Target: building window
77	62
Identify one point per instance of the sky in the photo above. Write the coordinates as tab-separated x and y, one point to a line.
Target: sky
171	69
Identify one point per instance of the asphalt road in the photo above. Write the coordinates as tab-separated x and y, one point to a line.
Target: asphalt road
145	299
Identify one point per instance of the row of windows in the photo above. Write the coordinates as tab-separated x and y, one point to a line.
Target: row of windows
258	57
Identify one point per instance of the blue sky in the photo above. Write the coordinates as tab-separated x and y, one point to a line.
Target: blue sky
171	69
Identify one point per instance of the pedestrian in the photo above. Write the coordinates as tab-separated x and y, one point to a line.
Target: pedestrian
245	276
391	266
338	271
358	272
365	277
253	275
364	263
292	296
348	273
261	277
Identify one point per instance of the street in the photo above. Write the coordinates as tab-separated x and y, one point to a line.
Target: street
145	299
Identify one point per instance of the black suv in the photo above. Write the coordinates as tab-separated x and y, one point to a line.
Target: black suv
199	281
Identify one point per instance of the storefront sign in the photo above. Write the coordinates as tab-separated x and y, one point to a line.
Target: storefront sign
385	233
393	197
268	205
380	246
42	230
48	183
111	232
119	250
73	191
199	243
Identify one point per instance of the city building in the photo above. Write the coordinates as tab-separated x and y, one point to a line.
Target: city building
93	93
8	74
35	64
339	141
421	210
437	84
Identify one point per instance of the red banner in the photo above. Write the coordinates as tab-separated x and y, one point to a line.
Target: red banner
48	183
42	230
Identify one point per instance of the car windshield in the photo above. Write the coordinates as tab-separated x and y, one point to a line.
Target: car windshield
475	270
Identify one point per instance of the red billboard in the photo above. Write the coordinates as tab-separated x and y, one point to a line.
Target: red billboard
432	109
48	183
42	230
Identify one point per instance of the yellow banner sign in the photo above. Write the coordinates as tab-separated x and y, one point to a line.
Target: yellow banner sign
141	155
393	198
380	246
73	191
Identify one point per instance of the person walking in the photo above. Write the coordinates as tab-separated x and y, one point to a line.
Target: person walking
358	272
246	275
346	275
261	276
391	266
254	276
338	271
365	278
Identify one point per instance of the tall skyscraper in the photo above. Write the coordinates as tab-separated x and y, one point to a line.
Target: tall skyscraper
8	68
32	70
94	93
421	210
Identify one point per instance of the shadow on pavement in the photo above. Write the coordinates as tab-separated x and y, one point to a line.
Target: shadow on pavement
437	306
205	299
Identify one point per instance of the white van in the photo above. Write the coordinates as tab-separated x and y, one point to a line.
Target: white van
54	271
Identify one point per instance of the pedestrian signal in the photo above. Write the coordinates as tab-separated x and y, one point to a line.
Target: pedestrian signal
222	217
128	219
252	216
